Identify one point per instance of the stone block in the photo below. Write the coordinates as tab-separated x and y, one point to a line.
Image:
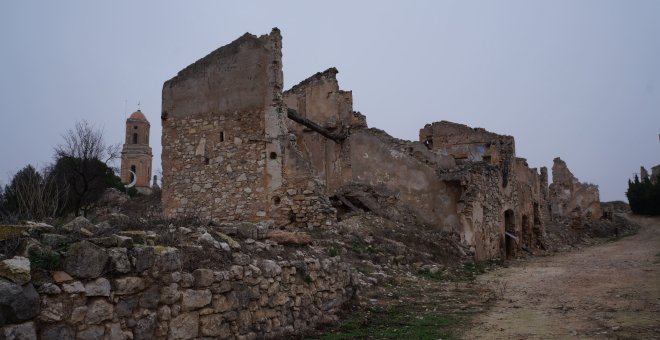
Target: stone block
128	285
60	276
49	289
16	269
74	287
98	311
115	332
23	331
142	258
170	294
78	223
126	305
91	333
78	314
203	277
214	325
57	332
85	260
98	287
145	327
119	262
195	299
270	268
167	259
185	326
17	303
149	298
51	310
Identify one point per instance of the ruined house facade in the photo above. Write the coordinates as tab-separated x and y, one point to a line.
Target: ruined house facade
236	147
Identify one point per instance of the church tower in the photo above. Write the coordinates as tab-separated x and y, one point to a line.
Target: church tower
136	154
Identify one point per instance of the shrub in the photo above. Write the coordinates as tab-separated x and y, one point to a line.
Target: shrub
644	196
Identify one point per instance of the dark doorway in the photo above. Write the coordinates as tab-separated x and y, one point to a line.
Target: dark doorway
510	229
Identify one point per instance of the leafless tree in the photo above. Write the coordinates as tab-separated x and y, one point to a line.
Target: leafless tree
38	198
32	196
82	163
86	142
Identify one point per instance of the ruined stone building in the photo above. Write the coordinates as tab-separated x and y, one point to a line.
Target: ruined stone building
653	177
236	146
136	153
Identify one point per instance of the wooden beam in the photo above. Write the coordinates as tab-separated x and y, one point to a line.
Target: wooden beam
296	117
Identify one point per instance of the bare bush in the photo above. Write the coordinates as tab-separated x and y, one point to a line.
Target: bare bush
32	196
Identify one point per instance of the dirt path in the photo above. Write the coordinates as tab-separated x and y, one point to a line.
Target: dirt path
608	291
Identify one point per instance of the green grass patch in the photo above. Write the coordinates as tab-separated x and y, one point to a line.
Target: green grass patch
436	276
44	259
333	251
394	323
362	248
470	270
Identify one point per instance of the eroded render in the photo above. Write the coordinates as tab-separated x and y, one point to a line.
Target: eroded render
236	147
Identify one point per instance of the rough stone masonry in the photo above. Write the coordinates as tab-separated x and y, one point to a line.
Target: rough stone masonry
237	147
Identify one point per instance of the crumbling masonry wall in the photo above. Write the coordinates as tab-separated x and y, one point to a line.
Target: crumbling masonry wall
142	292
571	200
235	147
494	184
369	156
227	154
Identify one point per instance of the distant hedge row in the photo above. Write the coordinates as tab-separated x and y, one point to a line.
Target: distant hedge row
644	196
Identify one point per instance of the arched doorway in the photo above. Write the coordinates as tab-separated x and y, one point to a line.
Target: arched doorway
509	235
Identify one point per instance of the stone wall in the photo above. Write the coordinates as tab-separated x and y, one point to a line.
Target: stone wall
571	200
319	99
655	173
227	153
114	290
230	153
407	169
494	185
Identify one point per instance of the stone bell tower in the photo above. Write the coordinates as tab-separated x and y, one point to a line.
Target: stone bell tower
136	154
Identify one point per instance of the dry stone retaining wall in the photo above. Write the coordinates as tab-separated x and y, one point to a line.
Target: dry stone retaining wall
119	292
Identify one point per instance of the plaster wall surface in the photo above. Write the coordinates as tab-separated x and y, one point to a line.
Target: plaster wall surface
377	160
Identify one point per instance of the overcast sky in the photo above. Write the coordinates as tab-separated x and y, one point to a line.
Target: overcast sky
574	79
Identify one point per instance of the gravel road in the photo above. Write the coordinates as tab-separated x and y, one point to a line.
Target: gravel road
607	291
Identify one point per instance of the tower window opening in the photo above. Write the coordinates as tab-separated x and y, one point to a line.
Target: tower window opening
135	127
222	136
273	155
135	138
